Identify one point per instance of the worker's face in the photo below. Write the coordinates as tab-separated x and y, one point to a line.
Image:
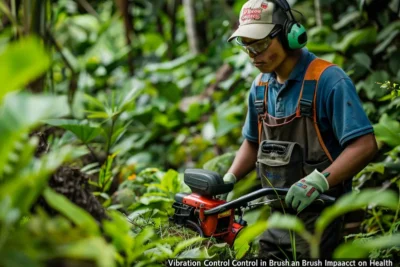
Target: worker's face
267	59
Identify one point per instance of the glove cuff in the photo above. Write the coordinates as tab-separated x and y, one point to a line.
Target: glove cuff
229	178
318	180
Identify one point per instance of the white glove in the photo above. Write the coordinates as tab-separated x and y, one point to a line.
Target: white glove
228	178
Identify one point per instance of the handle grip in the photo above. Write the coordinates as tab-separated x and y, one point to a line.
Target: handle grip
325	200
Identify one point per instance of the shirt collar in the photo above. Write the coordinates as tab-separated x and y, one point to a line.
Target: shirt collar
299	69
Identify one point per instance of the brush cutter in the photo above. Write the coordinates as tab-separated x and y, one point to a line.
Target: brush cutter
203	212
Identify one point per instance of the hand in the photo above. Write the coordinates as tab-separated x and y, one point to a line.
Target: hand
304	192
228	178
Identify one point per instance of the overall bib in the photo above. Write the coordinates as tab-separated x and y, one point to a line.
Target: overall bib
290	148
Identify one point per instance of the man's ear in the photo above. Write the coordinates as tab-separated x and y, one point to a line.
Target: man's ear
282	40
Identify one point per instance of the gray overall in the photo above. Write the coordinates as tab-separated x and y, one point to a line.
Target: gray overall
289	149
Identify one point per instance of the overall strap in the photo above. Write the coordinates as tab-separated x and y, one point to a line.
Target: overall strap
261	88
307	104
260	100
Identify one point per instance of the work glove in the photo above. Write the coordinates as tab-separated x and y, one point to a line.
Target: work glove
228	178
305	191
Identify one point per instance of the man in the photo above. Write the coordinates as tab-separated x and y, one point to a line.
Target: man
305	127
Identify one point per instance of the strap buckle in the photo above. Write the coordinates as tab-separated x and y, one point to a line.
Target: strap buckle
259	104
306	107
259	101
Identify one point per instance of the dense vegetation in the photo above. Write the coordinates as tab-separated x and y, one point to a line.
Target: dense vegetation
103	104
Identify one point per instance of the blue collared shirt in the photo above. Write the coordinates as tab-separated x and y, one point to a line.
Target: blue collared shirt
341	117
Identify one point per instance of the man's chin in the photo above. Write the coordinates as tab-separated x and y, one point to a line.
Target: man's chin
265	69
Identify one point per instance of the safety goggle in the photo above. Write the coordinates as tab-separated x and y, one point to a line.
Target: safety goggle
257	47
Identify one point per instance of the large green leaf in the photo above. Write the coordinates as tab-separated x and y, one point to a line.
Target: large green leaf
356	38
288	222
360	249
370	86
170	181
388	30
355	201
171	65
94	249
220	164
84	132
227	118
363	59
76	214
388	131
20	63
320	48
198	253
383	45
27	185
22	112
346	20
246	236
185	244
118	229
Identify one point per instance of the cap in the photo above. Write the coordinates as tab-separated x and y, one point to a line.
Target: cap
257	19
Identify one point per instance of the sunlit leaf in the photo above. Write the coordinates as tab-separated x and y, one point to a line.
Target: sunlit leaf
384	44
388	131
246	236
195	253
94	248
84	132
185	244
354	201
346	20
361	249
25	187
357	37
76	214
363	59
20	63
288	222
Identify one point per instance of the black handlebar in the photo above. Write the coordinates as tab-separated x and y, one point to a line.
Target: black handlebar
243	200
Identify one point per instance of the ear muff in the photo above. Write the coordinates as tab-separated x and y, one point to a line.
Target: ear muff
295	35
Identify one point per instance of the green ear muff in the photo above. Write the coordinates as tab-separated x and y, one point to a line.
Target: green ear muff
297	36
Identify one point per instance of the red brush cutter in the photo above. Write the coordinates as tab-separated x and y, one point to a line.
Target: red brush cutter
203	212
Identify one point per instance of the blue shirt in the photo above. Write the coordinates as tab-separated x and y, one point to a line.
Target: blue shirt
340	115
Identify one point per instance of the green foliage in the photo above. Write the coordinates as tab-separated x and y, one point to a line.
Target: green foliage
220	164
246	236
361	250
388	131
21	62
78	216
170	111
355	201
84	132
343	205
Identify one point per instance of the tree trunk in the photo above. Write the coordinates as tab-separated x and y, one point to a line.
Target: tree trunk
35	21
124	7
171	11
190	22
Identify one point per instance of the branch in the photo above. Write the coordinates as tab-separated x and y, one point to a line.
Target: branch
191	26
318	16
89	9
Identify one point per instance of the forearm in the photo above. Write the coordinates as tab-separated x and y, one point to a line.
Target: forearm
245	159
352	160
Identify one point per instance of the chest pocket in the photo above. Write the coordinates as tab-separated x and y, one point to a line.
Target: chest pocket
278	163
